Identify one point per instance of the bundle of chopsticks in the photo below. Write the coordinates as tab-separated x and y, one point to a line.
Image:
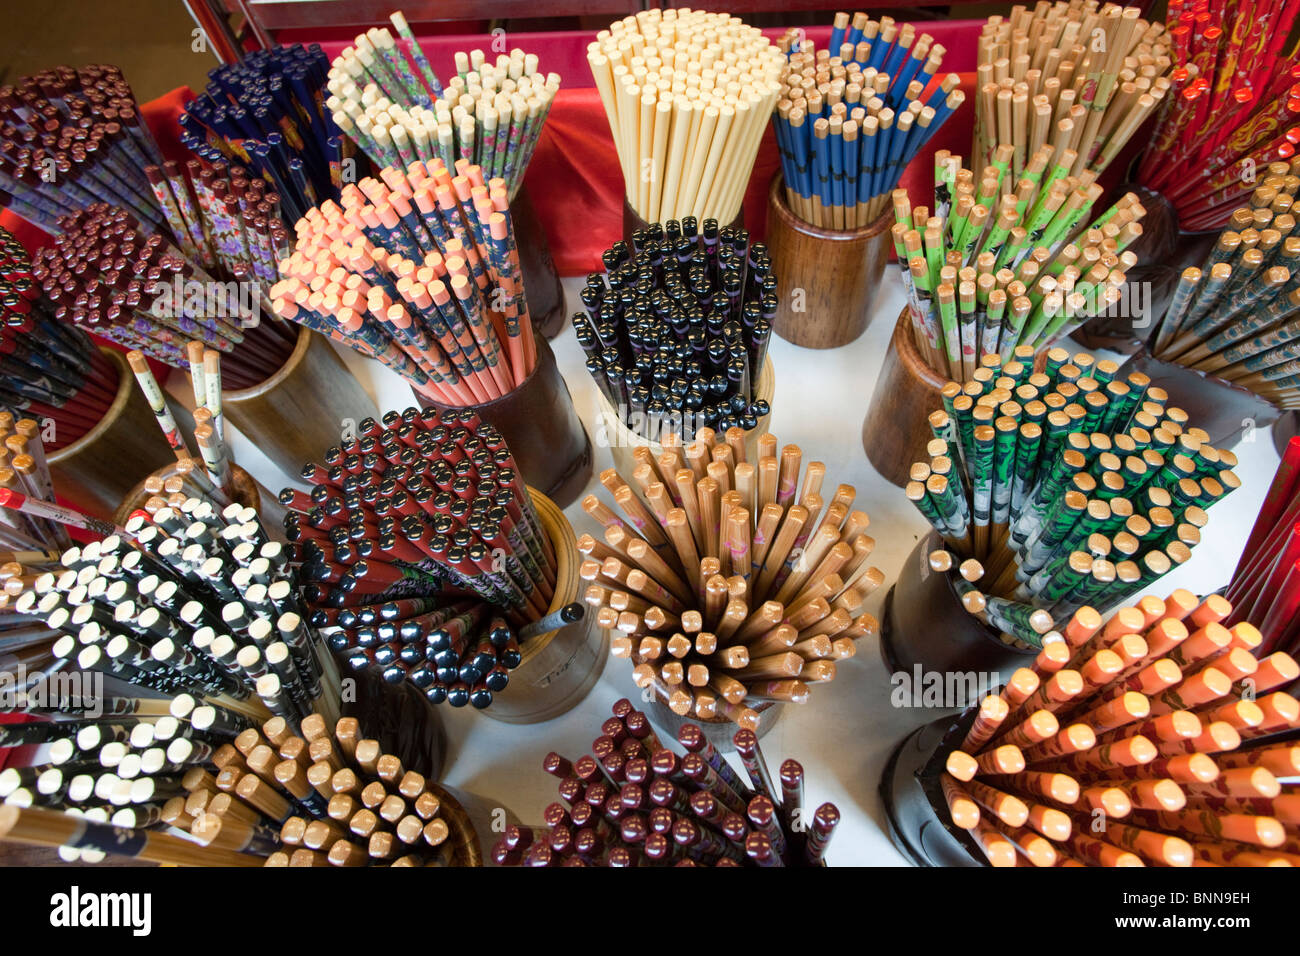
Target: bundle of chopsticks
490	114
1234	100
1064	488
323	798
1157	737
729	587
1077	76
53	373
208	477
1235	315
851	118
687	94
635	802
1009	261
36	541
198	602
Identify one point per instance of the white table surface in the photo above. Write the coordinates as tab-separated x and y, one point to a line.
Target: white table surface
843	736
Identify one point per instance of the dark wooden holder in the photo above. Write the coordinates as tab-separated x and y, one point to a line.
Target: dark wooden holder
1163	252
897	426
559	668
924	625
1284	429
837	270
400	717
475	822
98	470
918	824
718	731
633	222
1226	411
300	409
541	427
246	489
542	287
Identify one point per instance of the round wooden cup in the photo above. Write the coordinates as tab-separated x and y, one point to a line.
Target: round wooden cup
246	492
559	668
99	469
718	731
623	442
897	425
832	274
925	626
539	423
542	288
300	409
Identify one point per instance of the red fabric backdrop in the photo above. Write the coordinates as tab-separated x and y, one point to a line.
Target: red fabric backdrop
565	51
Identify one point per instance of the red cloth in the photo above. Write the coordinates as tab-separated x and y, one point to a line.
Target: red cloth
17	756
345	35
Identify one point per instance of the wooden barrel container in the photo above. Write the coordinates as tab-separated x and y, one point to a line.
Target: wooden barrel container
475	823
925	626
99	469
718	731
559	668
1164	250
401	718
542	428
831	273
300	409
542	289
1226	411
246	490
632	222
623	442
897	427
909	789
